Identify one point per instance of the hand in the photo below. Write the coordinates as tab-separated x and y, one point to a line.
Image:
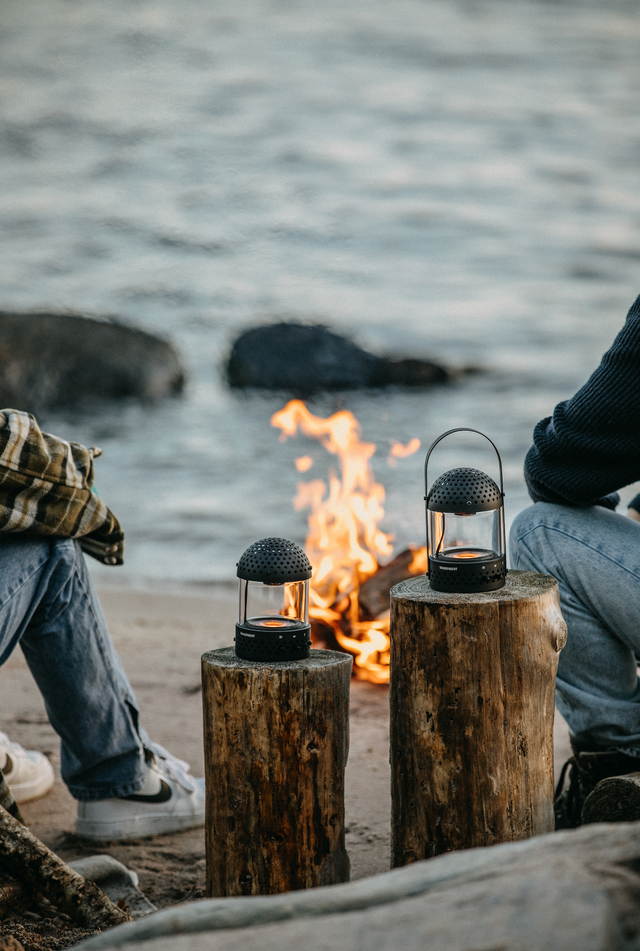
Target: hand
632	513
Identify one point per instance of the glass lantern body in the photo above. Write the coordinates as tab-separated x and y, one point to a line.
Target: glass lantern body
466	536
465	529
273	607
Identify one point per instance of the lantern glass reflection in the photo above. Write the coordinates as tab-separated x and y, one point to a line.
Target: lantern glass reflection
274	605
461	535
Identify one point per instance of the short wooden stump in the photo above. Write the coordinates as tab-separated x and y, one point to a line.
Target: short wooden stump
276	741
472	704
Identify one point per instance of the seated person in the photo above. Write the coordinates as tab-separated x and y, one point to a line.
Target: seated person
580	457
126	785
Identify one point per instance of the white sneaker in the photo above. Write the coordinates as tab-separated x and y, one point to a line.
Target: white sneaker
179	805
29	774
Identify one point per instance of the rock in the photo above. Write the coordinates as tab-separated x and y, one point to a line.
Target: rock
577	890
308	359
54	360
117	881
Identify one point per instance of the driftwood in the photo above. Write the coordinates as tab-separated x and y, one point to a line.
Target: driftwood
276	738
614	799
472	703
34	866
567	891
10	944
8	802
14	898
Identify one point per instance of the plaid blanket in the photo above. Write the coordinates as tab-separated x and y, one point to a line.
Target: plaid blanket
46	489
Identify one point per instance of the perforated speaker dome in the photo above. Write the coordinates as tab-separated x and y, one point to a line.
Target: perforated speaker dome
274	561
464	490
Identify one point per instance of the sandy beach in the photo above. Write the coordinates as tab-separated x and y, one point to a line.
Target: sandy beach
160	638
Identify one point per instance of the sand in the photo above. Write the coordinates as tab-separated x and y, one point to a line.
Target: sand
160	638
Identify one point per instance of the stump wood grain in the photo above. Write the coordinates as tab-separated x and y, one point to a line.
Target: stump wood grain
472	705
276	747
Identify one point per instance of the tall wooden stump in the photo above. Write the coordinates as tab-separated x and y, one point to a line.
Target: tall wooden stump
276	741
472	705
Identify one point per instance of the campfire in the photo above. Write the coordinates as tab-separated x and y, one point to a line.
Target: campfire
350	554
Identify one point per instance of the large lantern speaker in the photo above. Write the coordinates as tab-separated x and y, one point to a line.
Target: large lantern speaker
465	527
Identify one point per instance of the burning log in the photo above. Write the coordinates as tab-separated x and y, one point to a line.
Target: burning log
373	602
375	593
276	746
472	706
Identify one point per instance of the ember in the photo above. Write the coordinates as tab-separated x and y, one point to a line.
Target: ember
345	543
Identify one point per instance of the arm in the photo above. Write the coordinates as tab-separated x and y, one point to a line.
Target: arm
590	447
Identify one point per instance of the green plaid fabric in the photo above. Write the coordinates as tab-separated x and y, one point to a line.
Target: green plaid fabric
46	489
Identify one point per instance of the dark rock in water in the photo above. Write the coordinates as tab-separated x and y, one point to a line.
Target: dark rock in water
55	360
308	359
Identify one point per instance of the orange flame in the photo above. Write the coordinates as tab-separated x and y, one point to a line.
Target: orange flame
398	451
344	541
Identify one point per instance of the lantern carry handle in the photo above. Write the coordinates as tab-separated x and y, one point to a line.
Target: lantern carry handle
460	429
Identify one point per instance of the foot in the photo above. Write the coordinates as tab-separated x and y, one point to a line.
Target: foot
170	800
588	767
29	774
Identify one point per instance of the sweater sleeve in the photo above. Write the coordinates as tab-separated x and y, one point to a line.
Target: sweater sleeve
590	447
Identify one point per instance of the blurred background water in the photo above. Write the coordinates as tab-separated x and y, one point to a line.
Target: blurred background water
455	179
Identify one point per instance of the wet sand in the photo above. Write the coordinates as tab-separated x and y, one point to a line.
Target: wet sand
160	638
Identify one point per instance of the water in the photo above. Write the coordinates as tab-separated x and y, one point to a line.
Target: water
456	180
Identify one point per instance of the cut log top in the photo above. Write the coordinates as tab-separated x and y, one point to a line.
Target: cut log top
519	586
318	659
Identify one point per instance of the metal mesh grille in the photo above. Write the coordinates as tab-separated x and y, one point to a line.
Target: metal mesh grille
274	561
464	490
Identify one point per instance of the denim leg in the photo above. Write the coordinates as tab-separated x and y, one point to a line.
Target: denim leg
595	555
47	603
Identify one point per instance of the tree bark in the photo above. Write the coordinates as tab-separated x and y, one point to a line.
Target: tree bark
472	703
33	865
276	742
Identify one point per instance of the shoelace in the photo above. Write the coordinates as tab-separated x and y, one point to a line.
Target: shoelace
568	805
171	767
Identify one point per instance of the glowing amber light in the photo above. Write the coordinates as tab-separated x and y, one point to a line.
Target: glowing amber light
271	622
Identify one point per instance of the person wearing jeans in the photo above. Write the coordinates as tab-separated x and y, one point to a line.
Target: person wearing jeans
586	451
126	785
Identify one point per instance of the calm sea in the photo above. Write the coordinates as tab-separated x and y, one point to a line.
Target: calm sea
456	180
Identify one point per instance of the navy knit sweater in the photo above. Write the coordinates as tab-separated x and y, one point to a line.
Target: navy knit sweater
590	447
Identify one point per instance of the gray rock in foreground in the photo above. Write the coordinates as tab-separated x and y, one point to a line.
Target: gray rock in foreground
308	359
55	360
569	891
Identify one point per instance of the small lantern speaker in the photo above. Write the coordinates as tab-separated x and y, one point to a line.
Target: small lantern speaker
273	622
465	527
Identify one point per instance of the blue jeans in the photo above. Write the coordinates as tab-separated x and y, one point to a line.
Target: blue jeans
595	555
48	605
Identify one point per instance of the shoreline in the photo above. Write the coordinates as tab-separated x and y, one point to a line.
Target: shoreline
160	637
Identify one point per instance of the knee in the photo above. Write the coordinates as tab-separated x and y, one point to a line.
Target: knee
528	537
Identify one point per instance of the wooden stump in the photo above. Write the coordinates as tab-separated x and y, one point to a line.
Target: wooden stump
615	799
472	705
276	739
